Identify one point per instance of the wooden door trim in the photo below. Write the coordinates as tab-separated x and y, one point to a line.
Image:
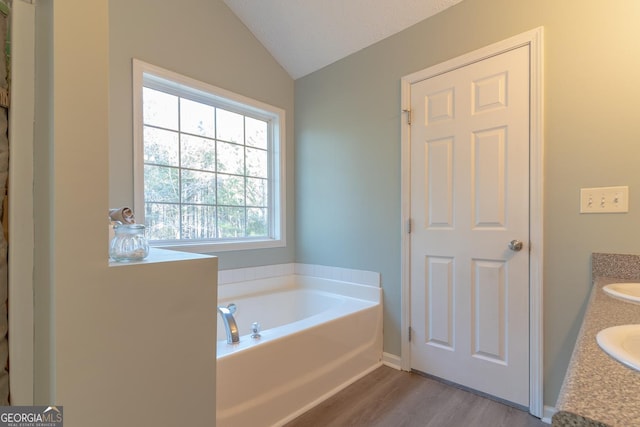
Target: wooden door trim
534	40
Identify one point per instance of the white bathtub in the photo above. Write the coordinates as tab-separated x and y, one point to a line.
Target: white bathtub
317	337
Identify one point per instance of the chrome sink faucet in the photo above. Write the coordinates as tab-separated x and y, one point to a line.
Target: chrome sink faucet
230	325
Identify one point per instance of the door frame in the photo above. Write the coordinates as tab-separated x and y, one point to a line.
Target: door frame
21	217
534	40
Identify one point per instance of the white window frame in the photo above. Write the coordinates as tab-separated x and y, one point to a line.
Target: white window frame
175	82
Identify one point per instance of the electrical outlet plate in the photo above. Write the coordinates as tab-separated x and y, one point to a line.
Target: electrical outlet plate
604	199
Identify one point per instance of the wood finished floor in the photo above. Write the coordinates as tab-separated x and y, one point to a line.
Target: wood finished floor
390	398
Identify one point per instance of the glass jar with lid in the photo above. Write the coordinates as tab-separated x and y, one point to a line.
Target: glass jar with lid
129	243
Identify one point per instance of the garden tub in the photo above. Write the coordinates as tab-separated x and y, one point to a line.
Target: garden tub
316	337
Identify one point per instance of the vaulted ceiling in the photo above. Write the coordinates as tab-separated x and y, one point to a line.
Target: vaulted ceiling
306	35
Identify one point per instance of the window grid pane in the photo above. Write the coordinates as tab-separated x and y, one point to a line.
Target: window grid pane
162	221
207	176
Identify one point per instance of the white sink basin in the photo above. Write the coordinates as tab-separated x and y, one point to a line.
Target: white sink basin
626	291
622	343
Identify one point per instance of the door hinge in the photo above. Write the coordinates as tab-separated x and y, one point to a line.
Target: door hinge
409	226
408	111
409	333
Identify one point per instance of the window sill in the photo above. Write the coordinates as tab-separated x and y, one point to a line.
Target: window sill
210	248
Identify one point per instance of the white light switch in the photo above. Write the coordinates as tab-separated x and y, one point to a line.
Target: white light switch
604	199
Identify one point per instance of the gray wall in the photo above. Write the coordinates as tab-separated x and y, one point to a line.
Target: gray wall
204	40
348	148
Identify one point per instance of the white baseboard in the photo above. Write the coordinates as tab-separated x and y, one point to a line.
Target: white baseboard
548	413
392	361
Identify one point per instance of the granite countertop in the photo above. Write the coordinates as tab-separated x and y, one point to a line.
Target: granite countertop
597	389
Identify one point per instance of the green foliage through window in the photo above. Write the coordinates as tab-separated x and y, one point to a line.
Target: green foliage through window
206	170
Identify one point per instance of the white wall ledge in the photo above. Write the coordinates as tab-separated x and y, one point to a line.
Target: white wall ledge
161	255
363	277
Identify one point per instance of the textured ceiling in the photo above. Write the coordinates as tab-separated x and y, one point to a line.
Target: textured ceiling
306	35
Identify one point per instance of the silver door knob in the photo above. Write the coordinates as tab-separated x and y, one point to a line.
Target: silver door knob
515	245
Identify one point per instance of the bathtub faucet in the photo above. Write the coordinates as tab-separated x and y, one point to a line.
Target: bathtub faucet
230	325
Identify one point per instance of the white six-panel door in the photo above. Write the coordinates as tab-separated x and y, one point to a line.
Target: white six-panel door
469	200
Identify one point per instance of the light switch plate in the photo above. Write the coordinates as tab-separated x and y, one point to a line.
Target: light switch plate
604	199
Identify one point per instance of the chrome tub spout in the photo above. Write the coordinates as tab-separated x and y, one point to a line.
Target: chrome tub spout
230	325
